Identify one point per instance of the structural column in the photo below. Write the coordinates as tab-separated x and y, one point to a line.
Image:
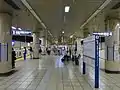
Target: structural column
6	43
43	42
36	45
112	63
46	36
42	37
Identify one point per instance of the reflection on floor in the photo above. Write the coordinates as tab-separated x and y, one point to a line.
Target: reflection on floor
49	73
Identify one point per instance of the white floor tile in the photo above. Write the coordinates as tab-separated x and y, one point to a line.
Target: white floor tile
48	73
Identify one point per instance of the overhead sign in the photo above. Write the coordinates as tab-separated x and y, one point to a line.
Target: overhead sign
24	33
103	34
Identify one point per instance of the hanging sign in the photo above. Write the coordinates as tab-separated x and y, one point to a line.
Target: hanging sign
25	33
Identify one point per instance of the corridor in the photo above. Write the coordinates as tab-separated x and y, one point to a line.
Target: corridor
49	73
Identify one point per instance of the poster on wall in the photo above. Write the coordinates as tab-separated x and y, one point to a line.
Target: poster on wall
4	52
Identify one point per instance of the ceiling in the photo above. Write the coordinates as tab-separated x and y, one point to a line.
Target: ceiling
23	19
52	13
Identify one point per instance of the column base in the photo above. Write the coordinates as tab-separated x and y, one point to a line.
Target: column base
112	72
5	67
35	58
8	73
112	67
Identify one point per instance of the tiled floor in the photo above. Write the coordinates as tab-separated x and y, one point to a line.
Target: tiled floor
49	73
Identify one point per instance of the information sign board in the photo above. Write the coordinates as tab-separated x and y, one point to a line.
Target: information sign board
91	50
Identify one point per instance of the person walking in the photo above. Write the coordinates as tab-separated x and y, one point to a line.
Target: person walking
40	50
49	51
24	53
13	58
31	52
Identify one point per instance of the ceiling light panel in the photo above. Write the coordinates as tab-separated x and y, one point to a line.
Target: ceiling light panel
63	32
67	8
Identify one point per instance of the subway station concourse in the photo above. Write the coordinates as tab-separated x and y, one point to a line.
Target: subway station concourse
59	44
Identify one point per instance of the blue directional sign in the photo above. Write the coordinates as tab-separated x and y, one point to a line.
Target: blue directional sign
96	61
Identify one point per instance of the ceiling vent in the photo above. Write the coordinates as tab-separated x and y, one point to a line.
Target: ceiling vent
116	6
16	4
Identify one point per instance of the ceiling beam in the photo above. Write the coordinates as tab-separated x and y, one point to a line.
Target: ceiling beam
96	12
27	5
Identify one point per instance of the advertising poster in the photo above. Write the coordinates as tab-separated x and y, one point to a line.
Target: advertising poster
4	52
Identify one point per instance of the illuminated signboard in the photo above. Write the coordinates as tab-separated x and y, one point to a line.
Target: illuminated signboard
103	34
26	33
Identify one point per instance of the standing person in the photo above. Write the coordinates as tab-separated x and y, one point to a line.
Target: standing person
49	51
13	58
46	49
63	51
24	53
70	52
54	50
40	50
75	50
58	51
31	51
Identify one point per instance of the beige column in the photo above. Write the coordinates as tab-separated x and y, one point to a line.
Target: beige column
36	45
112	63
6	43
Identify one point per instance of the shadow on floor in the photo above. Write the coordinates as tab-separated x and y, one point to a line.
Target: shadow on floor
8	74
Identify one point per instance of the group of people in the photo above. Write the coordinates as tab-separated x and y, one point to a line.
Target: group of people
67	53
71	55
31	52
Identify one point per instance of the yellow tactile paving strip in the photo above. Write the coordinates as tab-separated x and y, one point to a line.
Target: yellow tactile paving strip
19	59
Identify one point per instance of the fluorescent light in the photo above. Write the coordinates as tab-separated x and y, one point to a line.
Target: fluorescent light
67	8
19	29
118	24
13	27
63	32
71	36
